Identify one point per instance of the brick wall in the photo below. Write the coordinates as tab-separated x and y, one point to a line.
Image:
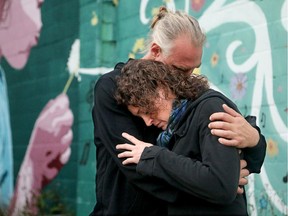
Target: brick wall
246	47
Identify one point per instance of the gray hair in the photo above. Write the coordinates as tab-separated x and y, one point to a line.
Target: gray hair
168	26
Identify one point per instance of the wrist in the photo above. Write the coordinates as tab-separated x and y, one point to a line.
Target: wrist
255	138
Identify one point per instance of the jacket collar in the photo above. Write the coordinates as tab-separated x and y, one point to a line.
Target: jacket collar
183	124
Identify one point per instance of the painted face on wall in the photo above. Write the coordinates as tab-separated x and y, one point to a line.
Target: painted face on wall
17	38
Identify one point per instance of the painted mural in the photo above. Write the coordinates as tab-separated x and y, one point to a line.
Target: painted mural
48	150
245	57
49	146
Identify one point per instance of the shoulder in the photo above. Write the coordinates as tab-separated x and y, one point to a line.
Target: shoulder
112	74
105	87
212	101
108	80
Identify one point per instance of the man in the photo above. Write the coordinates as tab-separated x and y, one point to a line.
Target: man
175	39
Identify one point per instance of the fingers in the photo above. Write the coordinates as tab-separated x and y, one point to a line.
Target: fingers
129	155
131	138
243	164
240	190
125	146
219	124
221	132
221	116
243	174
228	142
243	182
226	137
125	154
230	111
227	116
135	141
132	152
129	161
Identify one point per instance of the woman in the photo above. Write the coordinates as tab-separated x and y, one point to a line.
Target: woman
187	156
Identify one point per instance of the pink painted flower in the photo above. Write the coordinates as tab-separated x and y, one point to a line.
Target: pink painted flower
197	4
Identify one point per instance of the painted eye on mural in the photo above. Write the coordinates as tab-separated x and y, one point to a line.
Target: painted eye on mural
40	2
4	14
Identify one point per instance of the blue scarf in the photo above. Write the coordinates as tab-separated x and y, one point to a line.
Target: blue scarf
177	111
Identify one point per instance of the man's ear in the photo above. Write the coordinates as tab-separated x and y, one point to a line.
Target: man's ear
155	50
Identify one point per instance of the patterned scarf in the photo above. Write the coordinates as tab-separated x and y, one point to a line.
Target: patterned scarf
177	111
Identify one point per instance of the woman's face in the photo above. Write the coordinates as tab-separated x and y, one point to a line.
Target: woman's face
20	30
161	117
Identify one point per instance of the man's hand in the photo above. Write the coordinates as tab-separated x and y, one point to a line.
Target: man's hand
243	174
233	129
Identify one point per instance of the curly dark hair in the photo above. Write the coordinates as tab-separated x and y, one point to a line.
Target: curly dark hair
140	80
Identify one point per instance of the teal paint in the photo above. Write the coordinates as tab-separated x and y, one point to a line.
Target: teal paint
107	39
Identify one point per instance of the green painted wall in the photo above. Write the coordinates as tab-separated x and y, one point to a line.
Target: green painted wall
42	79
111	31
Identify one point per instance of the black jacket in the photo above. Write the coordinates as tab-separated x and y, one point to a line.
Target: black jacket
208	175
120	190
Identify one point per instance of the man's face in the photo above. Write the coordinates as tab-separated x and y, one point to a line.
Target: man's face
183	55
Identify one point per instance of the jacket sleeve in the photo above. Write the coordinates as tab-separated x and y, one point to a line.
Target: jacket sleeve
255	156
214	178
110	121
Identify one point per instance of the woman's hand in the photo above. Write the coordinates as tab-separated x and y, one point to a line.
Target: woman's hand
132	151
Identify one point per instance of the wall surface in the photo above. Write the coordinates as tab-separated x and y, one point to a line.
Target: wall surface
245	57
32	85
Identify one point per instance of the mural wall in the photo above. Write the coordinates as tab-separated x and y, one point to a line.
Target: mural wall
52	56
245	57
40	114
